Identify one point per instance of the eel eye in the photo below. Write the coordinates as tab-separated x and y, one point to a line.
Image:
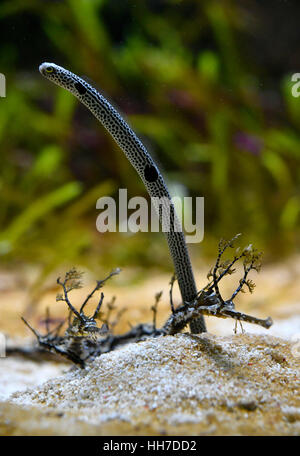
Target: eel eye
49	69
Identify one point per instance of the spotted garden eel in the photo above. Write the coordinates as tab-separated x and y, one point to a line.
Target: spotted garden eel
143	163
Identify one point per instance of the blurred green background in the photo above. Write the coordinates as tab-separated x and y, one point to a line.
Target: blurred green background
205	84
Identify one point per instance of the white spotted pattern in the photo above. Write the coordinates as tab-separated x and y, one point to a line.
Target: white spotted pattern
141	161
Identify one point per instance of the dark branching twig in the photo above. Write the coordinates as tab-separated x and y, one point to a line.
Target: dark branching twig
99	285
154	308
83	340
55	344
173	279
209	300
82	334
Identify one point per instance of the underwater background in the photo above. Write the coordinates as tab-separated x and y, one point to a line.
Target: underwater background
207	86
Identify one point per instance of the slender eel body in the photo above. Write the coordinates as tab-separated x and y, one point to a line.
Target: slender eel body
144	165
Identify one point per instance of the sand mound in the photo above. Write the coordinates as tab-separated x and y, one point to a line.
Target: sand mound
243	384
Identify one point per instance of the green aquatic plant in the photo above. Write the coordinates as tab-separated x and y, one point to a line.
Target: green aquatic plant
192	93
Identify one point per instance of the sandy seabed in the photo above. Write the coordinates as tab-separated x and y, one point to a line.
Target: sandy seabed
245	384
183	385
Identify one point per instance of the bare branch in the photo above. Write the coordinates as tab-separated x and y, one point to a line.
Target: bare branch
96	313
154	308
84	340
66	298
173	279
